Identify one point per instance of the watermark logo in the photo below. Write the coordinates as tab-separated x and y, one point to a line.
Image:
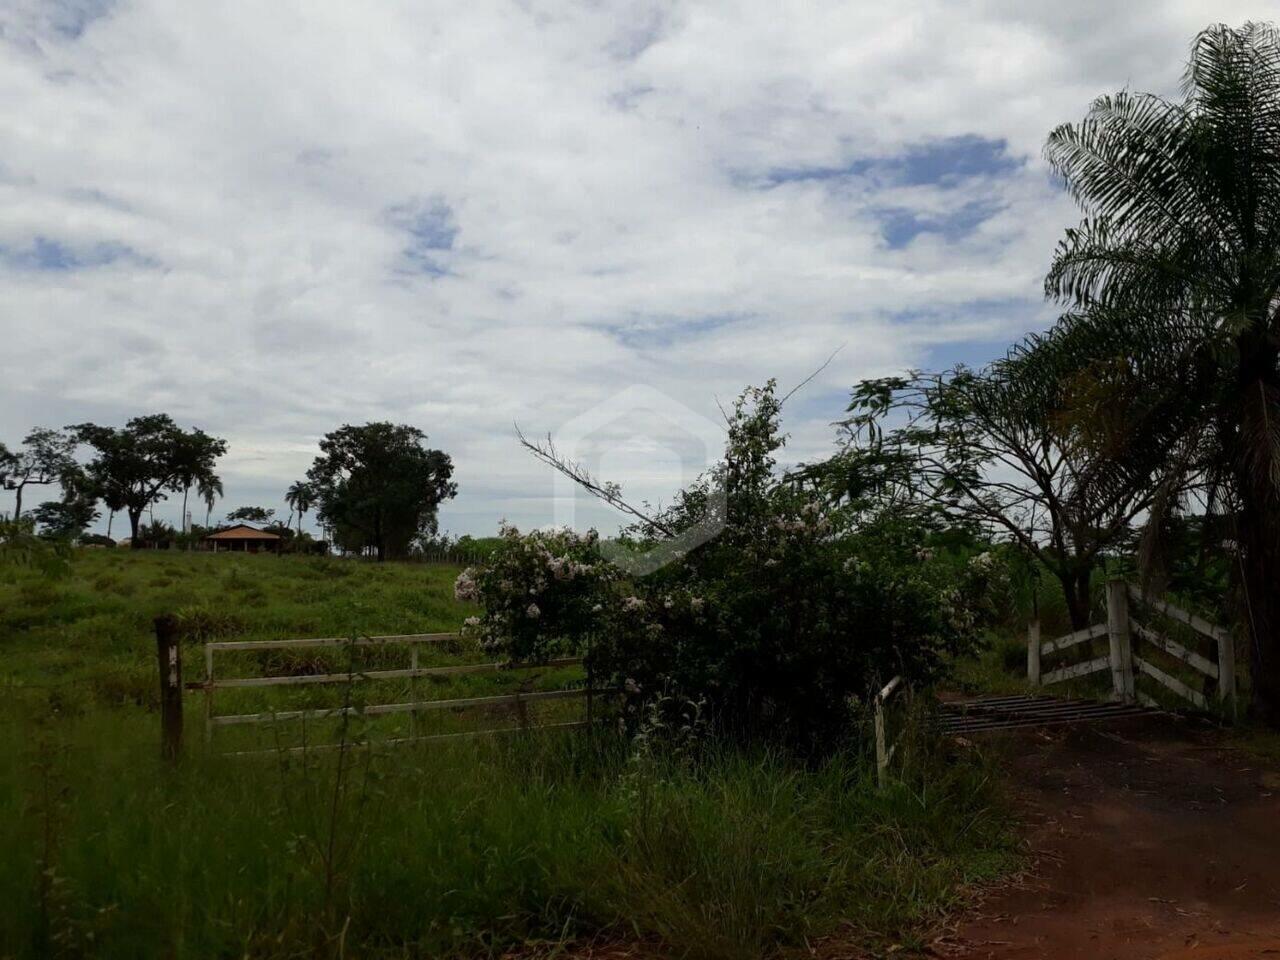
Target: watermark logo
642	433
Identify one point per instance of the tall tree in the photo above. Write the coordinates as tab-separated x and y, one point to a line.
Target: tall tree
379	485
210	490
144	461
1174	275
991	450
7	461
45	457
301	497
194	468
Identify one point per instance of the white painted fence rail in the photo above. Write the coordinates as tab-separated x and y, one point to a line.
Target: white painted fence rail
1120	630
212	683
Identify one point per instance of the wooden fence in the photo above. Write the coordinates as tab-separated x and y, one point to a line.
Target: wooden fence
453	555
885	746
169	652
1126	665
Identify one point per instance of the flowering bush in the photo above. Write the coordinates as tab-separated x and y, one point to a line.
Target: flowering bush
776	628
781	629
538	590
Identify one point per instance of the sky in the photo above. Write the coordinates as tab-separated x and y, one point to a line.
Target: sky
598	221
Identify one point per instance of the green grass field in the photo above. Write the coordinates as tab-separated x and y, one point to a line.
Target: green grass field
92	633
458	848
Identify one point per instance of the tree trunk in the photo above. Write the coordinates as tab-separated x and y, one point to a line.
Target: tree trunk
1075	591
111	518
185	491
1258	528
135	521
1260	562
17	502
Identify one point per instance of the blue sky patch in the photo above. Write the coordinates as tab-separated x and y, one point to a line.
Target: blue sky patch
655	333
955	158
431	230
945	162
70	18
55	256
900	226
780	175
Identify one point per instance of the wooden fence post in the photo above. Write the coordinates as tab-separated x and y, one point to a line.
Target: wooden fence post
1121	642
169	654
1226	669
1033	652
208	693
882	751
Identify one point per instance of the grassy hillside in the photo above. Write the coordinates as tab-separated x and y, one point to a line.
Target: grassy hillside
91	634
456	848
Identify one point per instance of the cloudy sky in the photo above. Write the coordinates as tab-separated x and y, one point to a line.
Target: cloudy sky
593	219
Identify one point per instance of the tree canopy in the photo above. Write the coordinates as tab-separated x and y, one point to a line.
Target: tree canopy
379	486
991	450
138	464
301	497
45	457
250	515
1172	280
65	519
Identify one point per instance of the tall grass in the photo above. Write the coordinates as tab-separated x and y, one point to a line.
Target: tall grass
467	849
455	850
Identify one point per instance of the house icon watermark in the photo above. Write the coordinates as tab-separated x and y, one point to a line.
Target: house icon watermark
642	422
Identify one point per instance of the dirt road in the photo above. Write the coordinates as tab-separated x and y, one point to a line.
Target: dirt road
1151	841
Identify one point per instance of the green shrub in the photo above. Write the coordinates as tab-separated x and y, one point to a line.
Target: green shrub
775	625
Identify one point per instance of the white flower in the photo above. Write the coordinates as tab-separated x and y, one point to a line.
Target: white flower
632	603
631	686
983	561
465	587
532	611
471	622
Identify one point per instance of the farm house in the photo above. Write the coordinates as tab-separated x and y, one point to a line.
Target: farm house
243	539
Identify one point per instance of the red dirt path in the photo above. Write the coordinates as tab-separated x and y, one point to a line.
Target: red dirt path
1150	841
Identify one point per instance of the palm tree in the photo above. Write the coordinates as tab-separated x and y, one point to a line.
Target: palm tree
210	489
1173	282
301	497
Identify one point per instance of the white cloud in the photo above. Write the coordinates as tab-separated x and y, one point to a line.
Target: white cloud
269	219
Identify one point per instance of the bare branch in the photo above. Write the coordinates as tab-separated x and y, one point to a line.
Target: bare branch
610	493
810	377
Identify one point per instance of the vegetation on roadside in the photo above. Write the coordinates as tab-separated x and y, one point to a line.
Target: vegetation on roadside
788	614
471	850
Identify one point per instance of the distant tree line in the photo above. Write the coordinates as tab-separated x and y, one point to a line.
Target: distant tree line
376	488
